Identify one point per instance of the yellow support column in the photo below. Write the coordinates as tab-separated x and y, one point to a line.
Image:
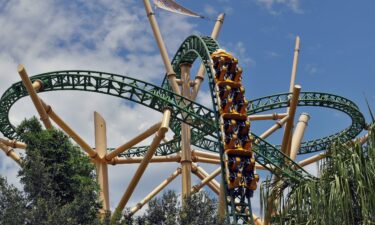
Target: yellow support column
163	50
10	153
185	135
156	191
69	131
101	165
200	75
133	141
206	180
34	97
298	135
290	121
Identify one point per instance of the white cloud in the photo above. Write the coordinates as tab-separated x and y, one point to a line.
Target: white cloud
277	6
106	35
210	10
312	68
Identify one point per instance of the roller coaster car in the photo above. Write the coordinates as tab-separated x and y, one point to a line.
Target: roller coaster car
248	165
241	106
229	83
243	128
230	141
252	185
246	141
233	180
238	94
221	53
224	91
234	163
220	73
238	152
238	75
229	126
234	116
226	106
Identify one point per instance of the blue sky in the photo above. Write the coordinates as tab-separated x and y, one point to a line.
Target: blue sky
337	54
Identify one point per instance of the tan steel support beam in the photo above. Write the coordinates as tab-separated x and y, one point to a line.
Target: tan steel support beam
144	163
279	124
155	159
13	143
295	64
199	172
363	139
205	154
152	194
11	153
206	180
150	131
257	220
221	203
163	50
313	159
34	97
185	135
69	131
201	176
298	135
205	160
273	116
101	165
289	123
200	75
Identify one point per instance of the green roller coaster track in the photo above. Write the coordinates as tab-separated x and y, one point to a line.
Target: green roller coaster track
203	120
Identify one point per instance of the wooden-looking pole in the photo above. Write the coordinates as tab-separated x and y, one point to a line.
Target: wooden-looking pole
313	159
150	131
10	153
221	203
13	143
295	64
69	131
273	116
207	179
200	75
205	160
279	124
101	165
154	192
215	187
155	159
298	135
142	166
205	154
289	123
34	97
163	50
185	136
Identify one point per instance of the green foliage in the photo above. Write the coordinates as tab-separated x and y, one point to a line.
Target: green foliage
58	179
344	194
12	204
199	209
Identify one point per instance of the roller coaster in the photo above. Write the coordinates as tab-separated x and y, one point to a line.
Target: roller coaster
221	131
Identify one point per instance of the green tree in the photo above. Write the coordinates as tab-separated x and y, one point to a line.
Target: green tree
12	204
343	194
59	181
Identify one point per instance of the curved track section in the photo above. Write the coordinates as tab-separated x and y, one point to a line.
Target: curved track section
204	121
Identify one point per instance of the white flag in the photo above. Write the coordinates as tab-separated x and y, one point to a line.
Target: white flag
172	6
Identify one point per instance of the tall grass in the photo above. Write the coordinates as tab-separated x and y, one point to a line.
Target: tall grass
343	194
